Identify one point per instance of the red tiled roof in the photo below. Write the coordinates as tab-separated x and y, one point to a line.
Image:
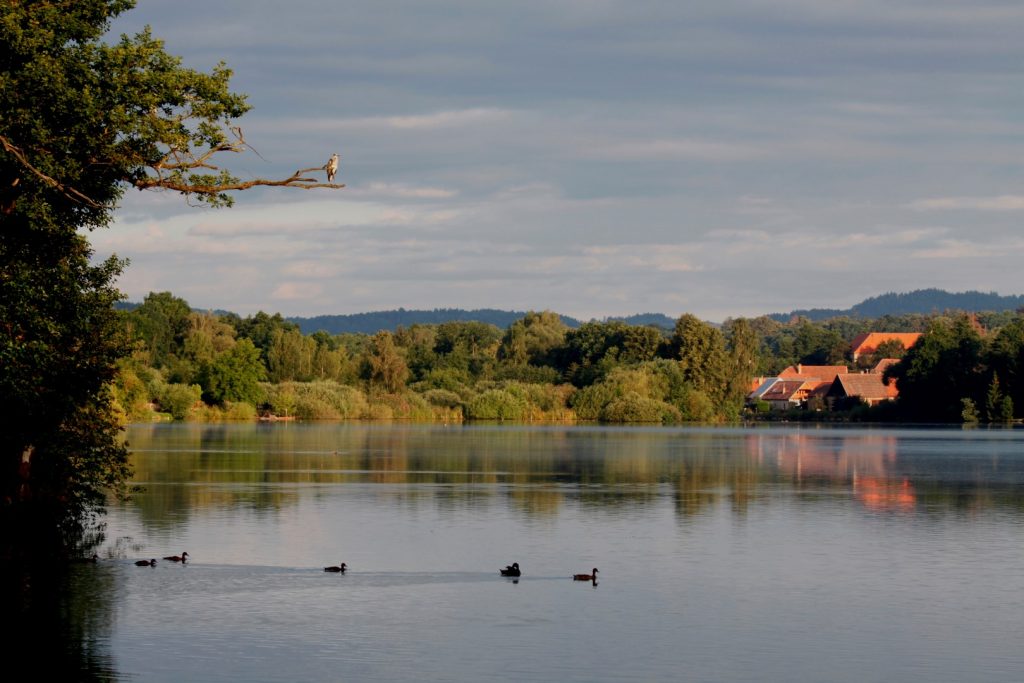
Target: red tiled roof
868	386
883	365
869	341
824	373
784	390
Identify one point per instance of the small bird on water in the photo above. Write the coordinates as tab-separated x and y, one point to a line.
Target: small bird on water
145	563
177	558
592	576
511	570
340	568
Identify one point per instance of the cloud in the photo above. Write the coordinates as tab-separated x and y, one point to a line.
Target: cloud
669	149
400	191
1006	202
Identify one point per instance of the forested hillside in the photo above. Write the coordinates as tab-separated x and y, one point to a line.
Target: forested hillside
919	301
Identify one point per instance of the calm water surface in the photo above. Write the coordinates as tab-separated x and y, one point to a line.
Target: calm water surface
758	554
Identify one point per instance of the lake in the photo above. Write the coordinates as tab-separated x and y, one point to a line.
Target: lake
724	554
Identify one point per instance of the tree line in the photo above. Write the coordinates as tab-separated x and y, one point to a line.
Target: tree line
189	364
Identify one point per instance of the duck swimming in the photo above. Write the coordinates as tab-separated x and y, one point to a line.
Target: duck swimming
145	563
340	568
511	570
177	558
592	576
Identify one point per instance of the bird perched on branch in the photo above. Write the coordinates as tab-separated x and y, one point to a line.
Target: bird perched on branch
332	167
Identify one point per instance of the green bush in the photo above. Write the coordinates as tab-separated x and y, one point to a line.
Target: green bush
443	398
404	406
239	410
697	407
497	404
590	401
635	408
178	399
314	408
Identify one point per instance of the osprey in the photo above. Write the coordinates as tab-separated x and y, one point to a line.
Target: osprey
332	167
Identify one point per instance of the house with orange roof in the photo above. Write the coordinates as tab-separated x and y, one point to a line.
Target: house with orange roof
867	343
866	386
788	393
822	373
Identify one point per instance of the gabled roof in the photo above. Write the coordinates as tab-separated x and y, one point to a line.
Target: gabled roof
869	341
824	373
868	386
765	385
883	365
783	390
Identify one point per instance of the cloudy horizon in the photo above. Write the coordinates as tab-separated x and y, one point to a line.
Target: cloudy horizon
597	158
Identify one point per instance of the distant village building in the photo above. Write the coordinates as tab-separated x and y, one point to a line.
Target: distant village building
803	386
788	393
869	387
867	343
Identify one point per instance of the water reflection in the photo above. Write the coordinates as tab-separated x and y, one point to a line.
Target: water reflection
769	542
59	620
536	471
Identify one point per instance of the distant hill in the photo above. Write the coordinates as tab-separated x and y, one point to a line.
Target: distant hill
655	319
371	323
918	301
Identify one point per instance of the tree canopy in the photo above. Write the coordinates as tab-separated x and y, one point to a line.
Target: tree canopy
81	121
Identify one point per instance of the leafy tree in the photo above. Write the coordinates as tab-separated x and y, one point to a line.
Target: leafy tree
700	351
469	346
386	368
418	341
162	322
531	339
993	400
261	328
80	121
743	344
814	345
290	356
1005	356
940	370
234	375
179	399
590	351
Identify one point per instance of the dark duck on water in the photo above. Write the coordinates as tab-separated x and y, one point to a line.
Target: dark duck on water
511	570
592	576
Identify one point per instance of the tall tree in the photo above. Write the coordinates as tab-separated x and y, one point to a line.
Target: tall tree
940	370
700	350
386	368
81	121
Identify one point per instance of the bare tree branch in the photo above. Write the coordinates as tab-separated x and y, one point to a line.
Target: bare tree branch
69	192
296	180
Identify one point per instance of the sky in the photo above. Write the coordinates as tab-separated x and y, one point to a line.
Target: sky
595	157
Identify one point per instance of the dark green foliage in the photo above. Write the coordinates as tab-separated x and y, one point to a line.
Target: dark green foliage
635	408
179	399
593	349
234	375
532	339
385	368
497	404
941	369
161	323
261	328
